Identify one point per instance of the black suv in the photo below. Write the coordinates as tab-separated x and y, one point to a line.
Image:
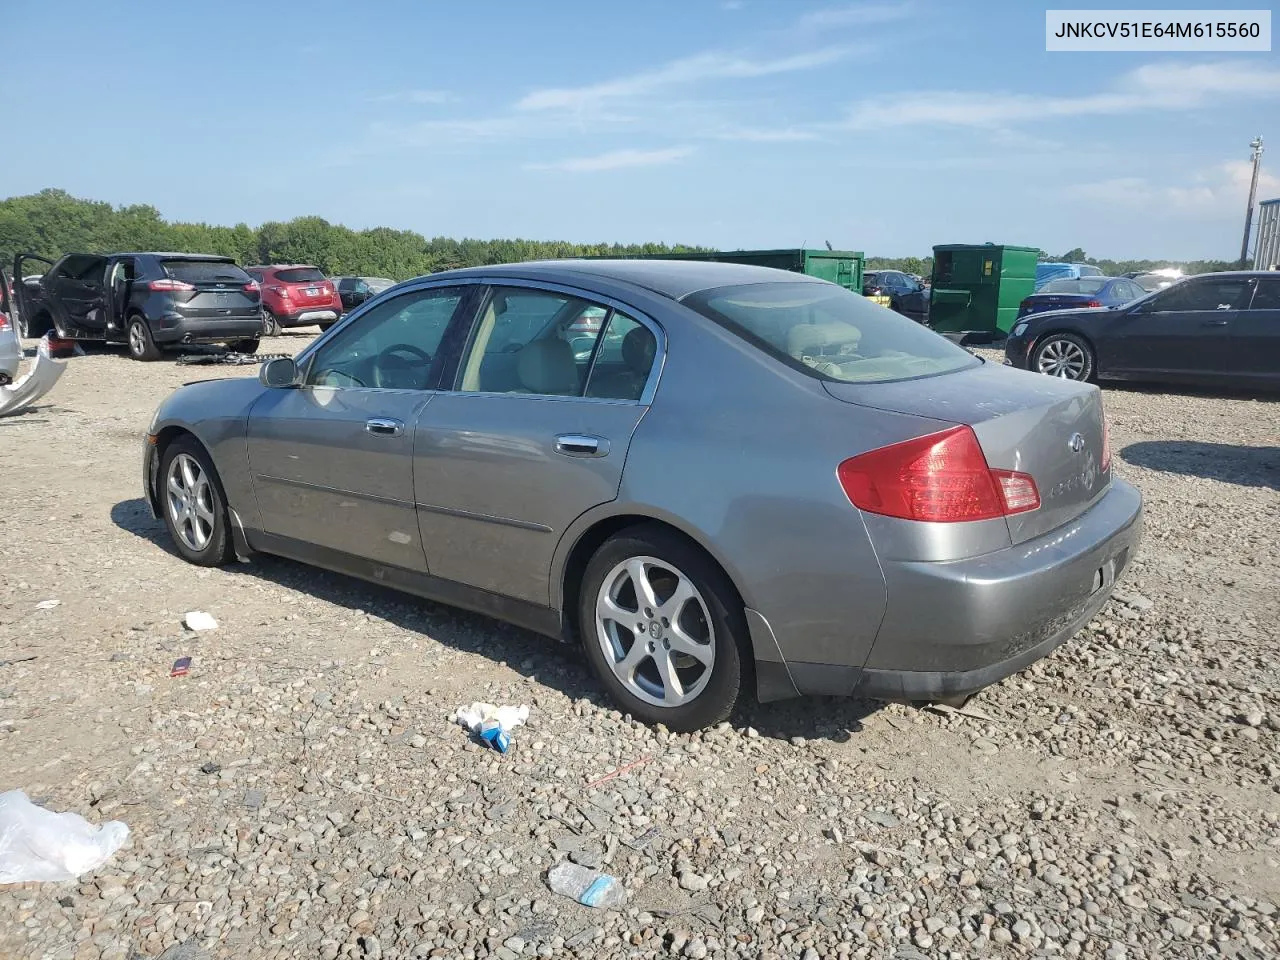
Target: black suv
356	290
906	294
145	300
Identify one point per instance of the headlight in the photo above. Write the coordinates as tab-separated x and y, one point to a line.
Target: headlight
1020	328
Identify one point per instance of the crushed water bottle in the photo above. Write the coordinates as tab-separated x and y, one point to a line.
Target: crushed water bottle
589	887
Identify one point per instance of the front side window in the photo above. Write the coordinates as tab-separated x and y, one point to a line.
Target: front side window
828	332
1223	294
392	346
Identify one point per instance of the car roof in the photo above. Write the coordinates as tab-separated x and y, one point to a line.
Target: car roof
671	278
284	266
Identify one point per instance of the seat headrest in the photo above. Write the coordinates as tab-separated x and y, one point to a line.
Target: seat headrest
638	349
547	366
821	339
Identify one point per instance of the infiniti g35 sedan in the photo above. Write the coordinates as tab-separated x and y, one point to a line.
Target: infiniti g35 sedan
749	482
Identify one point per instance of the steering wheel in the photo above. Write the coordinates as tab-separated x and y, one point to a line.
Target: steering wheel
400	362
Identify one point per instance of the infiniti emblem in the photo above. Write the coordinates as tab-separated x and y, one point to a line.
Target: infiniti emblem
1076	443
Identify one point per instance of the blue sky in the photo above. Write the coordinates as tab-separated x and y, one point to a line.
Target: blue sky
883	126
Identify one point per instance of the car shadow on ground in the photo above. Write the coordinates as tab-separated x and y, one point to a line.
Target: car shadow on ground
542	659
1225	462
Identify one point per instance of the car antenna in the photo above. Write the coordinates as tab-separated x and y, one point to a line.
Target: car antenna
828	243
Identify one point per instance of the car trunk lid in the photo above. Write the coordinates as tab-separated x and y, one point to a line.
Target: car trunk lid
215	289
1047	427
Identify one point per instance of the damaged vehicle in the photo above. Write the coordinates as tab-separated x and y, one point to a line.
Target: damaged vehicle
10	345
51	359
721	479
147	301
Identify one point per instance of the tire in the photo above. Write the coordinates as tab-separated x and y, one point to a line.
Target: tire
712	615
270	323
326	325
199	525
1064	355
141	345
249	345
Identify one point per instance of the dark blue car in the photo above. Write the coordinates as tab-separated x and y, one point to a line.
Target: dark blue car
1082	293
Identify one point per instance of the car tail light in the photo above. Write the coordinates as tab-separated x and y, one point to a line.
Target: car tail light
4	322
169	285
1094	303
939	478
252	287
278	291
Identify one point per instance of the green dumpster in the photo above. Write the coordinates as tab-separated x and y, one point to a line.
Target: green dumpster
976	288
843	267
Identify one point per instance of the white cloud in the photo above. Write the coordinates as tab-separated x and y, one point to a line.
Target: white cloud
1219	191
1164	87
414	96
765	135
689	70
617	160
856	15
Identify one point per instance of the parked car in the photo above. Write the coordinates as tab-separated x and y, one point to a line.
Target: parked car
757	476
354	291
1048	270
10	345
145	300
1085	293
1151	282
1216	328
907	295
296	295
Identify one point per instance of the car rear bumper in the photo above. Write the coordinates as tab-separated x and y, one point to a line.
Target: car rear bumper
175	328
309	316
951	628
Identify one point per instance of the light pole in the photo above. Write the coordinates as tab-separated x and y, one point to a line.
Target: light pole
1256	145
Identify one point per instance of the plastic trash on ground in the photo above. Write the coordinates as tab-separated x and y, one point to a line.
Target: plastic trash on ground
51	360
493	724
199	620
591	888
38	845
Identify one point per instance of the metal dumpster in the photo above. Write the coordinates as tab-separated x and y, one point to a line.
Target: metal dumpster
977	288
843	267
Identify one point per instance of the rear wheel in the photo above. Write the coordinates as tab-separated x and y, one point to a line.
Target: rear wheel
325	325
195	508
270	323
141	345
663	629
249	345
1064	355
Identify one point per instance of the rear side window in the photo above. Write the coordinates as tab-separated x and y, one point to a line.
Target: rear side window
299	275
1267	296
828	332
205	271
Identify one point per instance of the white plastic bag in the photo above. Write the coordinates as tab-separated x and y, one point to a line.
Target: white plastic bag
38	845
478	715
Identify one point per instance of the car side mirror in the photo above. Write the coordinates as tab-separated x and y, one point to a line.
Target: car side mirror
280	372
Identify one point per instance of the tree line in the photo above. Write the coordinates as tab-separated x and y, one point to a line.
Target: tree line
52	222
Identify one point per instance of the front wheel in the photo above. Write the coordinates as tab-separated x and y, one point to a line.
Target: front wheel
195	508
663	629
141	344
1064	355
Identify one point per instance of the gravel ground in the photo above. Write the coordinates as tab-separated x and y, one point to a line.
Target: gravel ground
304	792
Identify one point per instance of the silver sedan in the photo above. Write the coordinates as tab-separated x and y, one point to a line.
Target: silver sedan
748	482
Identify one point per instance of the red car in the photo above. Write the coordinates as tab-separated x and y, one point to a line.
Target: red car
296	295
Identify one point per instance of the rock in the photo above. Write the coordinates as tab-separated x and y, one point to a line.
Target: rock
693	881
1180	928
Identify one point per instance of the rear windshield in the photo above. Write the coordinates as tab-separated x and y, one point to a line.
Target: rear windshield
205	271
299	275
828	332
1087	285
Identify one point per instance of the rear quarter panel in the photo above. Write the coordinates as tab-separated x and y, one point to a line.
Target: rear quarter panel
740	453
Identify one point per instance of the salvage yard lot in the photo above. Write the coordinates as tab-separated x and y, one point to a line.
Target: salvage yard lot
304	792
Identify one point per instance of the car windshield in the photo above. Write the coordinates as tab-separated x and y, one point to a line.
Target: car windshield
378	284
829	332
1087	285
299	275
205	271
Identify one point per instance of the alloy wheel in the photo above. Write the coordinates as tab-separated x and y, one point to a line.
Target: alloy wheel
655	631
190	499
1062	358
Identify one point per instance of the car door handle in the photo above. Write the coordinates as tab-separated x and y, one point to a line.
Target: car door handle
382	427
580	445
1214	323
